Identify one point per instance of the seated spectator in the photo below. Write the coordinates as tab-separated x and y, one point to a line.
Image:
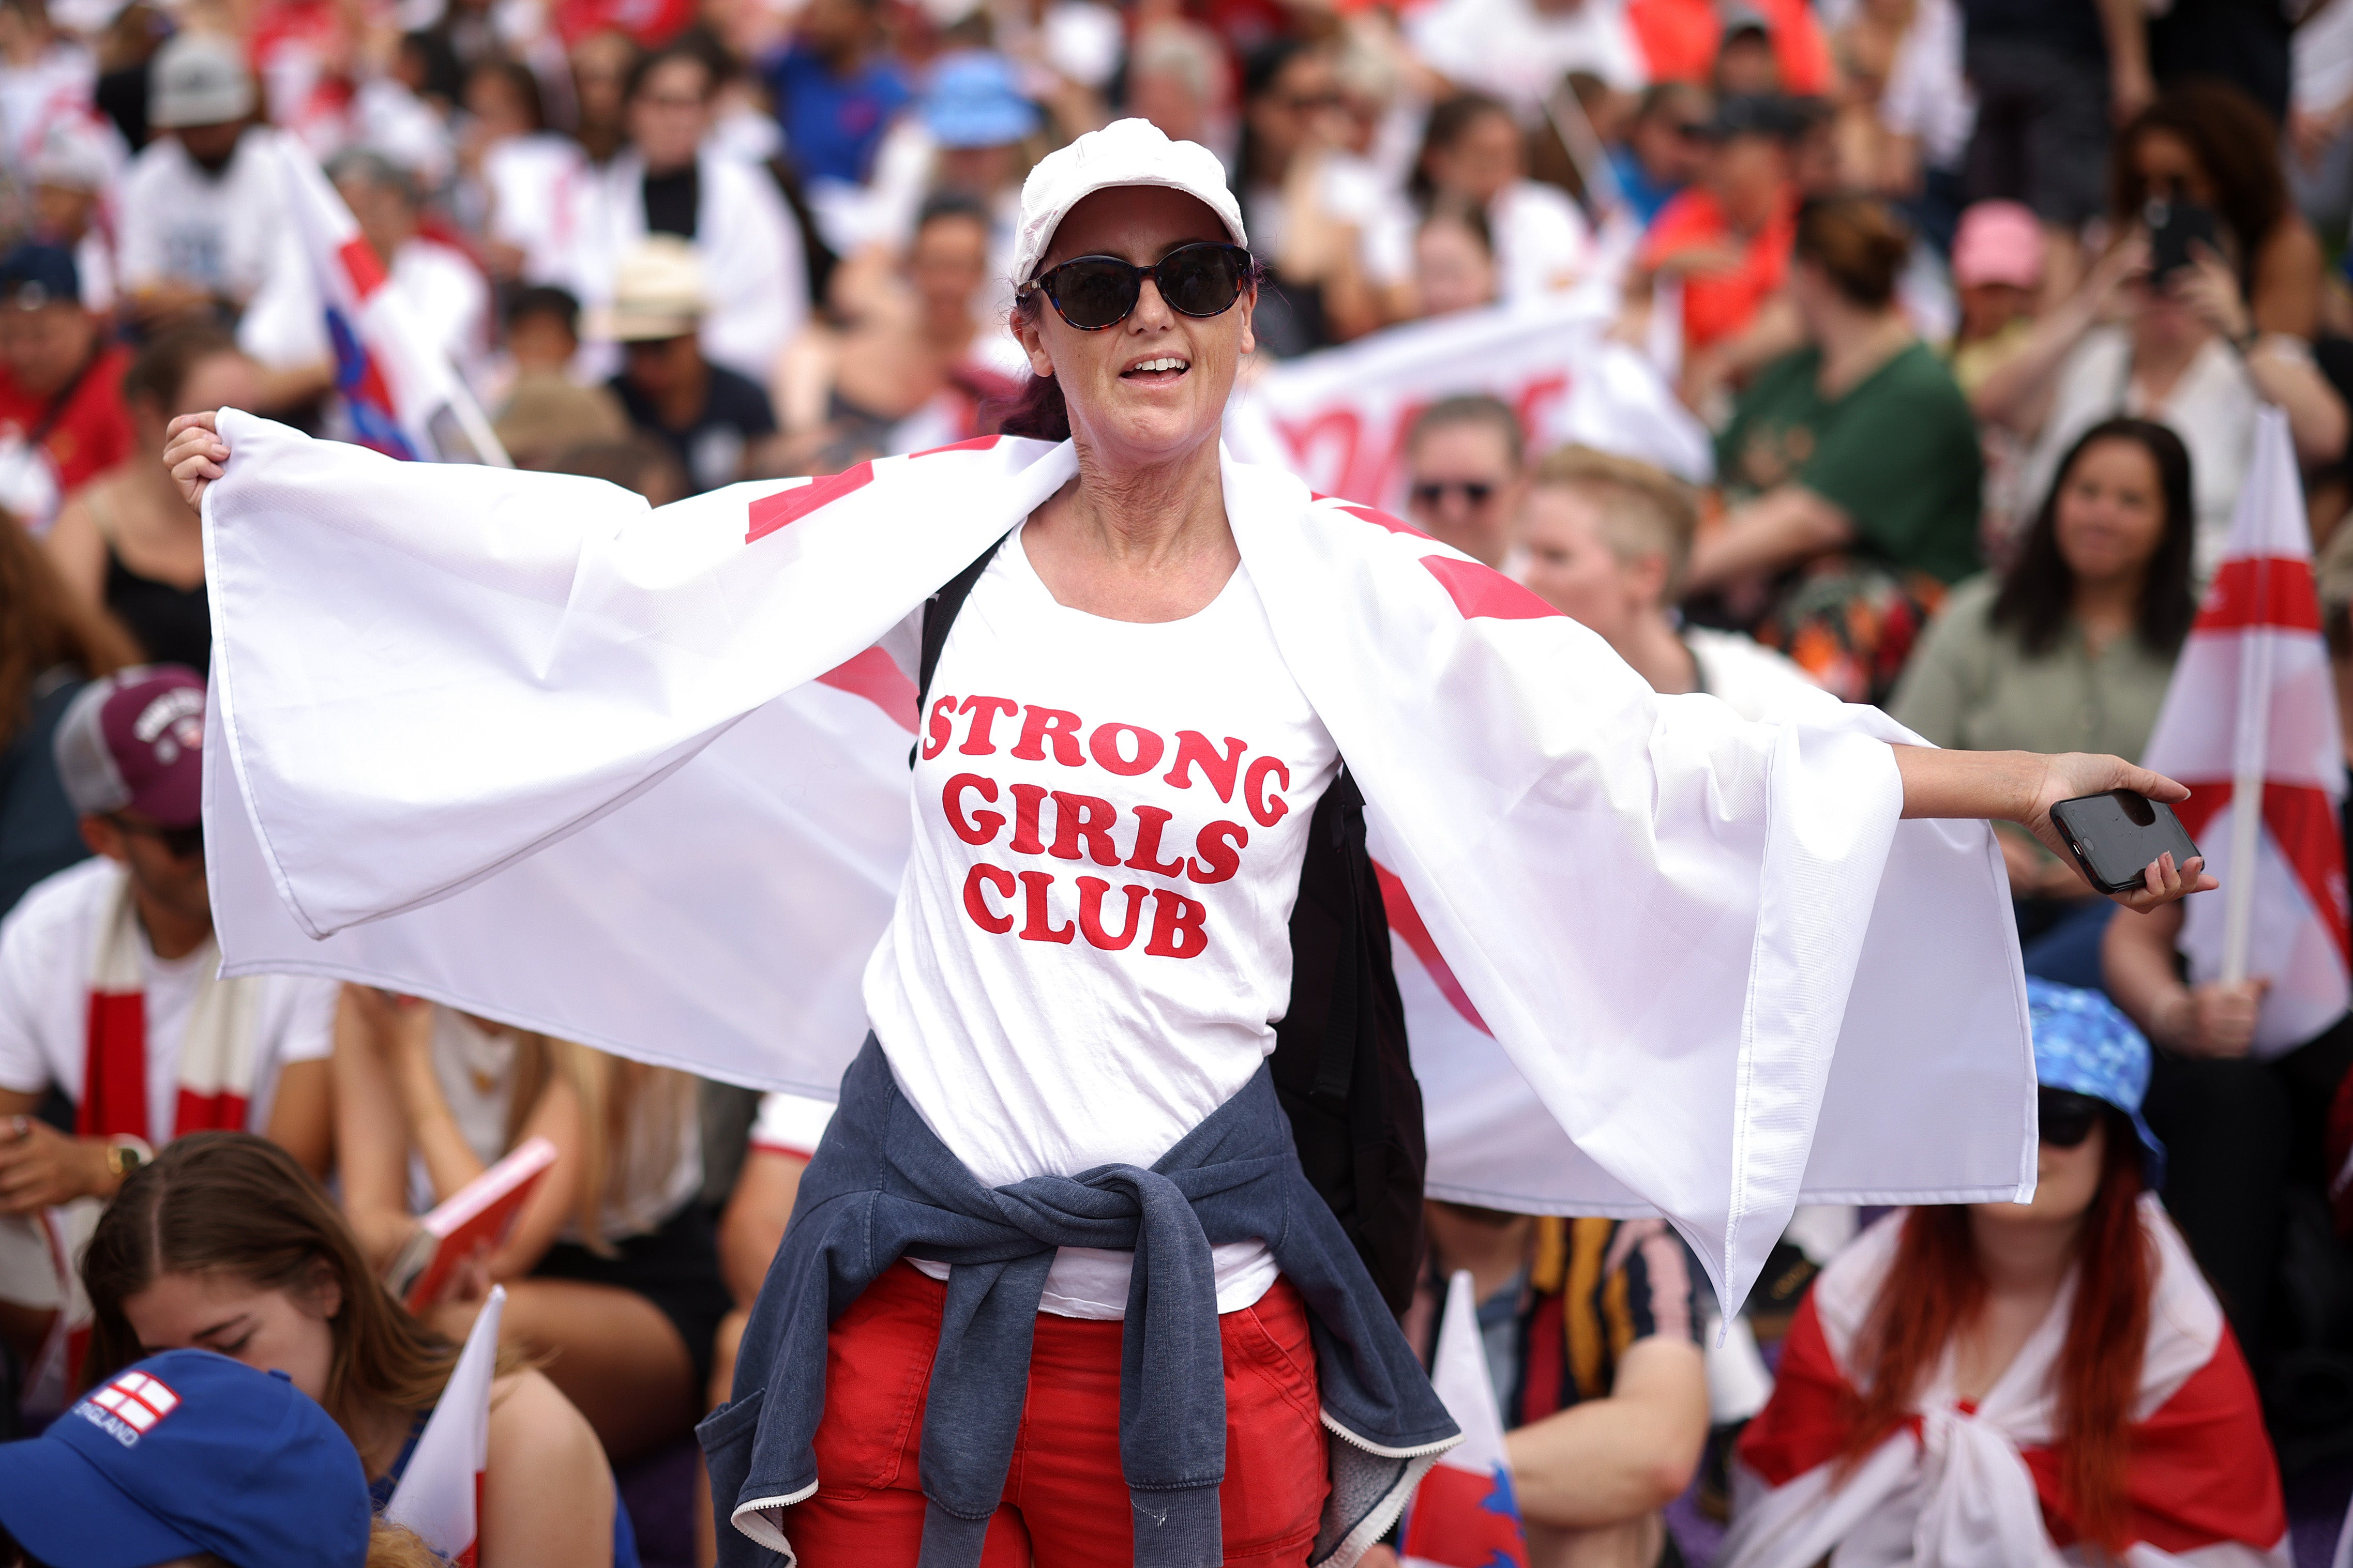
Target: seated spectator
1997	273
1464	475
708	414
225	1244
185	1458
1850	468
1473	154
1177	78
1725	237
1592	1342
2208	142
515	167
1664	148
612	1279
61	410
52	644
1518	51
2185	354
836	90
2070	649
446	291
542	331
129	541
72	174
1453	262
1987	1382
668	181
1603	539
911	370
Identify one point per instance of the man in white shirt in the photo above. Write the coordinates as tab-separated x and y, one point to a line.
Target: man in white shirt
108	987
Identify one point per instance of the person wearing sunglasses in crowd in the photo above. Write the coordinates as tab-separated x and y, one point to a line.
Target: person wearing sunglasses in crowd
1059	1207
1466	475
2001	1382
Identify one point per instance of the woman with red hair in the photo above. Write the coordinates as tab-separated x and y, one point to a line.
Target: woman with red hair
2027	1383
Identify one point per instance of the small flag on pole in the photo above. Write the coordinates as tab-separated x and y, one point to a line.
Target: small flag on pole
1464	1514
2250	720
440	1494
404	397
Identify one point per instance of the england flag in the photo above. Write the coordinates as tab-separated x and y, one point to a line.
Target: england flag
2252	717
440	1494
1464	1514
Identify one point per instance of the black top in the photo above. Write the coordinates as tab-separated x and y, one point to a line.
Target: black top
672	200
2071	26
173	625
735	412
39	832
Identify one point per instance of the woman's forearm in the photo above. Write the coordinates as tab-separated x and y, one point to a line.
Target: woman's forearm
2315	415
1779	529
2000	786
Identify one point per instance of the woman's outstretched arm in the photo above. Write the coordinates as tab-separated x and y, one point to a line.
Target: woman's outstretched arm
2022	788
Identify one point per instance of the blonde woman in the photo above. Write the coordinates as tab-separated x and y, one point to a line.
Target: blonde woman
611	1273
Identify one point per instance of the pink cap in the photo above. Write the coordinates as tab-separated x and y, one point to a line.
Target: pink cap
134	741
1999	242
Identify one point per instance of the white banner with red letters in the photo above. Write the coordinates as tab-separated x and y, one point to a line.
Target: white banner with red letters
1339	419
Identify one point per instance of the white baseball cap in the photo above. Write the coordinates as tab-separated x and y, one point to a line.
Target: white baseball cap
1124	153
198	79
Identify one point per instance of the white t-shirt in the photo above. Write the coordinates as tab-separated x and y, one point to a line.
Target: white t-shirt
790	1124
1519	54
1092	942
47	945
223	233
1542	241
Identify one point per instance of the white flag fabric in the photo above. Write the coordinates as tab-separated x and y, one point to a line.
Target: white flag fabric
440	1494
2252	699
404	398
1464	1514
514	741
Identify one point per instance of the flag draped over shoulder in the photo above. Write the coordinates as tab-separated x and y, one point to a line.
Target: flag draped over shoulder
516	742
2252	700
1964	1485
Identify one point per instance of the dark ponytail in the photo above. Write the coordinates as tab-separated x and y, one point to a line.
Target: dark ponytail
1036	411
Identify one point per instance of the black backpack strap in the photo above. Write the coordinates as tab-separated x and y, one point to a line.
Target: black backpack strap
1335	1067
939	612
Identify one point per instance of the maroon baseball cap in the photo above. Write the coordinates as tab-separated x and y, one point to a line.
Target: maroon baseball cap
134	741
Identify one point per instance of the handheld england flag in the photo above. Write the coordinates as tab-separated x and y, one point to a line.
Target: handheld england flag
440	1494
1464	1515
404	398
2251	719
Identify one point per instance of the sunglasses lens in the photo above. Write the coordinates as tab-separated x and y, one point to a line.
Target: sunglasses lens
1200	279
2065	1118
1092	294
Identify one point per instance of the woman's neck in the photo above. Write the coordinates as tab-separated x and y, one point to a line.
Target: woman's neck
379	1432
1854	343
2023	1258
2105	608
1145	541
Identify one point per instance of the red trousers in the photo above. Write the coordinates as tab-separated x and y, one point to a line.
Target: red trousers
1065	1504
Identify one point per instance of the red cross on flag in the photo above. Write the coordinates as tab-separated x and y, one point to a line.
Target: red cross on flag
140	1400
1464	1514
440	1494
2252	717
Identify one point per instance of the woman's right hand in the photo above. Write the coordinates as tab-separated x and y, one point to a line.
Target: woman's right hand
194	452
2213	1020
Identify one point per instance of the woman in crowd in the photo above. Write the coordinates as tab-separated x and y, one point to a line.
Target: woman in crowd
129	541
1850	468
1291	99
2185	353
52	641
2070	649
1453	262
224	1242
611	1272
2206	142
1997	1382
1474	153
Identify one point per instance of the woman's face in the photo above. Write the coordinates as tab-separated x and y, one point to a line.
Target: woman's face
1485	158
216	380
1303	93
2065	1182
2111	513
267	1330
1567	561
1123	413
1452	269
2170	169
947	264
496	106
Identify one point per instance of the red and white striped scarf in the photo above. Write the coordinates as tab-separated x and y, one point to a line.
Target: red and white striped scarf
218	1054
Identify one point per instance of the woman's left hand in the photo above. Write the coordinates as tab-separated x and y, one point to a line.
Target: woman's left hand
2073	773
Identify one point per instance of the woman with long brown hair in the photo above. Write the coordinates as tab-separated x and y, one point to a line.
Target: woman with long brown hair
51	644
224	1242
2005	1382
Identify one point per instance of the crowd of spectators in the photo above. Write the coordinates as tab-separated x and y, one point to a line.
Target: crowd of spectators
1980	299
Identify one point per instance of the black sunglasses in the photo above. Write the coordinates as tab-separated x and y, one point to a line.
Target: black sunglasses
1475	491
2065	1118
1092	292
180	842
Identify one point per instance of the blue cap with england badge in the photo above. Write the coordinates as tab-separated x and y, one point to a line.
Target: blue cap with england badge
2082	1044
188	1452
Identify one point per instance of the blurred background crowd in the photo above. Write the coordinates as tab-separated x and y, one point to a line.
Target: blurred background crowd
1979	299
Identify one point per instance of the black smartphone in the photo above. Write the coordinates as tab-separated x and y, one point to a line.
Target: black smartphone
2174	226
2116	835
